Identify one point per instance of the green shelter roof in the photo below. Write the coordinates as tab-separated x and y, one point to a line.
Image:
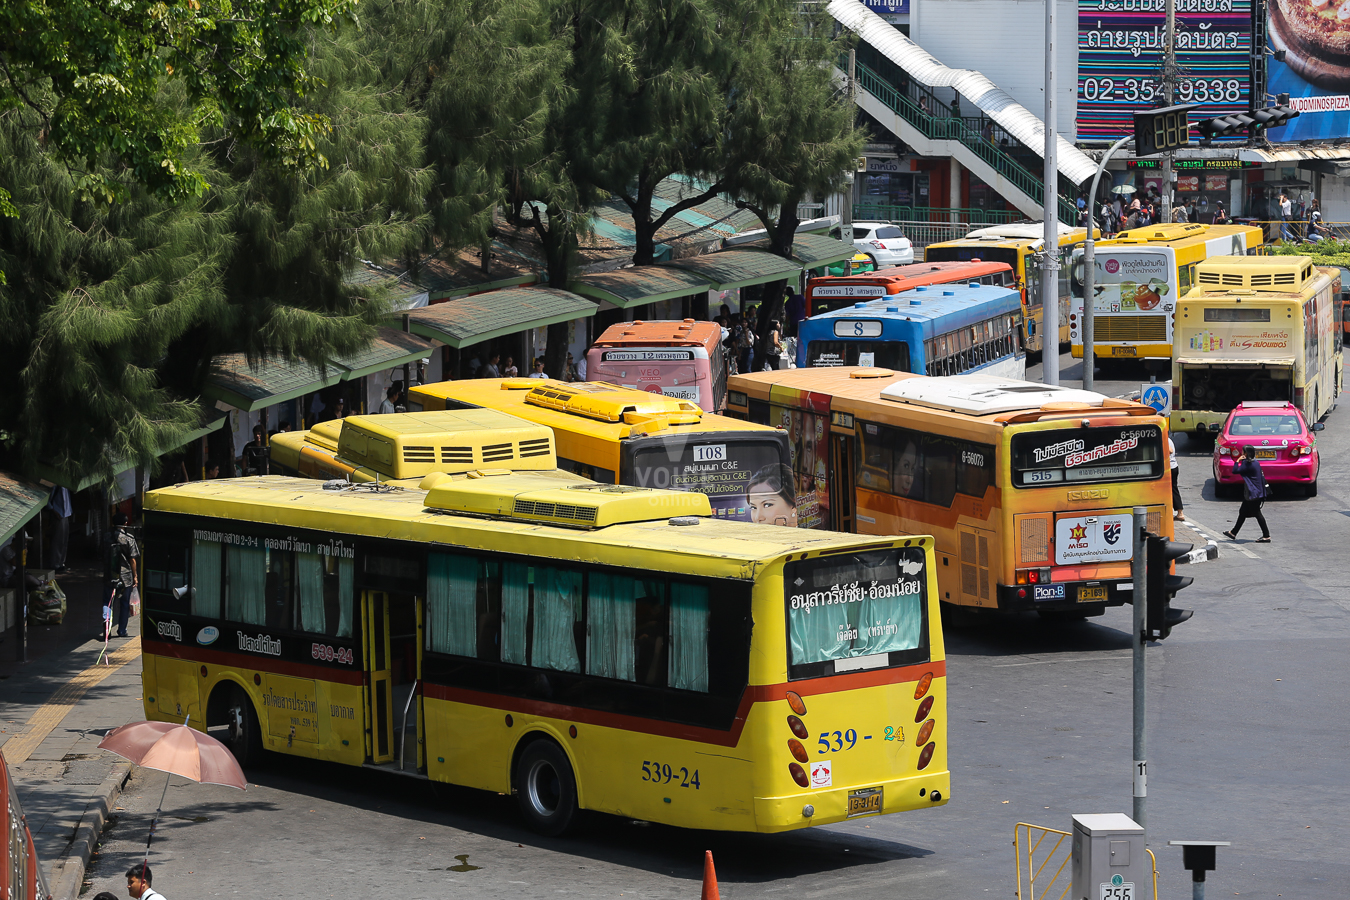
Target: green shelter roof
811	250
728	269
465	321
20	501
640	284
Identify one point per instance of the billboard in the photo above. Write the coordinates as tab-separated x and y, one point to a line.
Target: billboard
1120	46
888	7
1315	71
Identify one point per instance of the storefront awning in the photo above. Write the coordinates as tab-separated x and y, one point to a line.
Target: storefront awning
730	269
640	284
812	250
272	381
20	501
1294	154
466	321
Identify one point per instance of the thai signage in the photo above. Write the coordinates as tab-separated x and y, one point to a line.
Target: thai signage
1120	45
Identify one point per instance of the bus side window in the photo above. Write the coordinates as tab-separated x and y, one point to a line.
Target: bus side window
324	594
246	585
206	579
759	412
165	569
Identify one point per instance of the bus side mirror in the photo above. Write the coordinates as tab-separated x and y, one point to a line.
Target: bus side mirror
1317	426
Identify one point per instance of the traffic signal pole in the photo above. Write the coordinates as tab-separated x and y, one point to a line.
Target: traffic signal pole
1089	272
1138	569
1050	259
1169	73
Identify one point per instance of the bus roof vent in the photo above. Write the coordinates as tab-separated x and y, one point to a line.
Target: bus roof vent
1277	274
580	505
412	445
607	402
984	395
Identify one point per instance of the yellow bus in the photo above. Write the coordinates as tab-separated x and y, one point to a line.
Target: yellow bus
1139	277
1017	245
621	435
577	645
399	446
1027	488
1259	328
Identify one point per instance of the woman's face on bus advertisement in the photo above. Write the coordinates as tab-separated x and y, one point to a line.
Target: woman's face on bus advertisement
906	468
767	507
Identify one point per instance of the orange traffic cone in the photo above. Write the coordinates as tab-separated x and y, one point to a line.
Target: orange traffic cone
709	878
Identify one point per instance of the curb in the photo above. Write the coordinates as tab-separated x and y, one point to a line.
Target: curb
1201	554
68	872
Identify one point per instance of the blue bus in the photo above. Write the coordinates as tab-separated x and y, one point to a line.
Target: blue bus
936	330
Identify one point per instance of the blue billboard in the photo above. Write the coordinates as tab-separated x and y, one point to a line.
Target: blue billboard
888	7
1314	71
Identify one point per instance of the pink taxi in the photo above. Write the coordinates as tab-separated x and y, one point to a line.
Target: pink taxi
1285	446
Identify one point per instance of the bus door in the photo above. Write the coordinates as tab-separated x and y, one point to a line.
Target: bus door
379	676
841	485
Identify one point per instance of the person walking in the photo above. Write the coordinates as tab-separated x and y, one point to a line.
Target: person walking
1176	489
1286	214
774	353
1254	492
126	578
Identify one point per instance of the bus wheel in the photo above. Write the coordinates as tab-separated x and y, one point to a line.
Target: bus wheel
231	708
546	789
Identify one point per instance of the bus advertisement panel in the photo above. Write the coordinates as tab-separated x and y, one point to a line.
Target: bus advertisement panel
574	645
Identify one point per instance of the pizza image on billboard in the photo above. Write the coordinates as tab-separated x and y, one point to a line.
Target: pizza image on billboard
1315	35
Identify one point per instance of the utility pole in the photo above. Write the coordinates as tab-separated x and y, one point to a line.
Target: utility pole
1050	259
1138	569
1169	74
846	212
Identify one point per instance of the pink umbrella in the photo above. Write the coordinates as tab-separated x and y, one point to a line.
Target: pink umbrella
178	750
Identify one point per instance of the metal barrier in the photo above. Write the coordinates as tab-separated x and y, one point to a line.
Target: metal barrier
1055	854
1298	228
936	215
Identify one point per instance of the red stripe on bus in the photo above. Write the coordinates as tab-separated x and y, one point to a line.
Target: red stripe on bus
253	663
755	693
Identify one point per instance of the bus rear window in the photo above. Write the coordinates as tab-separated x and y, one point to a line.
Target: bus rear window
722	465
861	610
966	254
1087	455
883	354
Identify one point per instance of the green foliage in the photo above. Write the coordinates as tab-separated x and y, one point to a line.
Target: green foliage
1323	253
92	70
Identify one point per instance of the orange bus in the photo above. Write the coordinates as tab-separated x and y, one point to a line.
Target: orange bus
678	359
828	293
1027	488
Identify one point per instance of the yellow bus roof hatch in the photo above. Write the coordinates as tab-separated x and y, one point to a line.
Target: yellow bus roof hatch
411	445
586	505
611	403
1275	274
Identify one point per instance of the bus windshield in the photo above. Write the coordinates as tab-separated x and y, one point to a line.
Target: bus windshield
883	354
742	477
856	611
1087	455
968	252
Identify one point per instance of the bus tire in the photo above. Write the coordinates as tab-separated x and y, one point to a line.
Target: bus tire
231	708
546	788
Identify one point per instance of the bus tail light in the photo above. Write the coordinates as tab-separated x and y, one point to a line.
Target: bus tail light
1298	397
925	731
927	755
1033	576
798	751
925	681
794	700
799	775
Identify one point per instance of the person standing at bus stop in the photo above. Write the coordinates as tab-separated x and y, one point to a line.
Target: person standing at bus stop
1254	493
1176	489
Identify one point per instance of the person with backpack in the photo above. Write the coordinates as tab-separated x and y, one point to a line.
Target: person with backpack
1254	493
125	554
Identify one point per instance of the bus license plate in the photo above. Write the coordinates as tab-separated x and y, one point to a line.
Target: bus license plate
865	802
1266	454
1124	351
1092	594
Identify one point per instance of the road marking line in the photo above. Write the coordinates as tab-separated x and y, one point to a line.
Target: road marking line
1210	533
1067	659
43	722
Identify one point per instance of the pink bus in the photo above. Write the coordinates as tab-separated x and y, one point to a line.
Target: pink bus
677	359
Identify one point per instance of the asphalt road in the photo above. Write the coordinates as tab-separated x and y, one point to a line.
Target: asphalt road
1248	725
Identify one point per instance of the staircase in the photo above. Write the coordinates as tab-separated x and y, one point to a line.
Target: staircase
920	119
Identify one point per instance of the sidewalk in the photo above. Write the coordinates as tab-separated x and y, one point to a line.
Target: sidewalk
54	710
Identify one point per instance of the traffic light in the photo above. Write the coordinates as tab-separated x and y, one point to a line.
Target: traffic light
1266	117
1159	130
1160	618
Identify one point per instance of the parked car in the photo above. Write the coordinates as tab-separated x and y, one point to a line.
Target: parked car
884	244
1286	446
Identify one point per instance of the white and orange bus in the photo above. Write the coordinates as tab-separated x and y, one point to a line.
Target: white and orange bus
680	359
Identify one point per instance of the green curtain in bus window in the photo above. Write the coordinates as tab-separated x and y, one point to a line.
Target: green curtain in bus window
452	594
309	580
611	621
815	633
689	637
515	612
889	623
346	596
557	604
206	579
246	598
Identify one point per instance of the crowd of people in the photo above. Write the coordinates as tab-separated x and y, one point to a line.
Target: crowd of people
1299	220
